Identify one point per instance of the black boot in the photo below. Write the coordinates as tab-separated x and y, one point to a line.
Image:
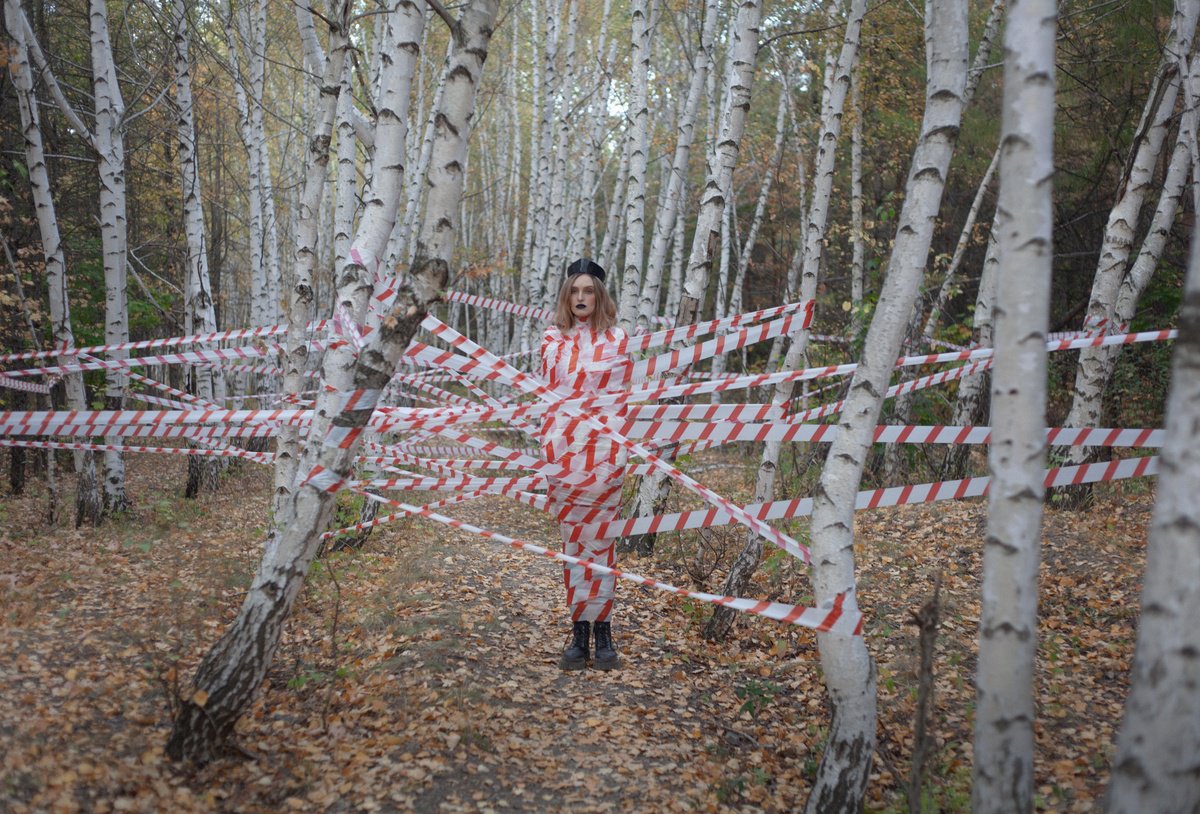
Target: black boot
606	654
576	655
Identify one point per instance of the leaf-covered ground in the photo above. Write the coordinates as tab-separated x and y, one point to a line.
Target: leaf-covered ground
419	673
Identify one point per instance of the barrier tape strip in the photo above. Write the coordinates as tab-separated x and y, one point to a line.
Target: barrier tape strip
28	387
832	619
232	452
874	499
525	382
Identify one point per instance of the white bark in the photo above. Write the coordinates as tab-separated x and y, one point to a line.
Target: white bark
1143	268
552	90
1158	746
969	404
231	673
88	502
742	265
638	141
902	407
346	180
200	314
1090	374
563	172
849	670
706	240
301	297
109	141
837	86
582	233
1004	716
669	212
858	237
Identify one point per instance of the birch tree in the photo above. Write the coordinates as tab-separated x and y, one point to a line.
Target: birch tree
849	670
672	200
88	504
833	103
230	674
638	142
971	400
1155	765
199	315
921	332
1004	714
108	140
1159	739
706	240
1119	236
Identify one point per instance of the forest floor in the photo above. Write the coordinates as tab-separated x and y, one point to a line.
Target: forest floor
419	673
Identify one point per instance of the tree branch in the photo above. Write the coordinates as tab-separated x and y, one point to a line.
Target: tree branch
445	15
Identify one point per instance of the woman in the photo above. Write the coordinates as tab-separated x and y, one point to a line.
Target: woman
579	357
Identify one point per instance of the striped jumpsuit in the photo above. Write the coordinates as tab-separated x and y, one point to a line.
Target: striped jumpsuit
574	362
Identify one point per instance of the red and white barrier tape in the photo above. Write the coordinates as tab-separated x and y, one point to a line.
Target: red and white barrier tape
833	619
258	457
872	499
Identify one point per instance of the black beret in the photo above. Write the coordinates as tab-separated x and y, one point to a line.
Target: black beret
586	265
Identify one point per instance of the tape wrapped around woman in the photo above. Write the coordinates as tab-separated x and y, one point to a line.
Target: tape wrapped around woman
577	350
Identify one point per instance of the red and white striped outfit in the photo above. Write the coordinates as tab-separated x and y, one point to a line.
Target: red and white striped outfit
573	364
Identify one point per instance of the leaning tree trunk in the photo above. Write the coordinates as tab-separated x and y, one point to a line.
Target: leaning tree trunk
1090	374
88	505
1159	740
653	490
301	299
747	249
837	88
1004	714
232	671
902	407
845	765
1155	765
199	315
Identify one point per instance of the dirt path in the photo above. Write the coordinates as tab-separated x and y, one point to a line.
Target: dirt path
439	691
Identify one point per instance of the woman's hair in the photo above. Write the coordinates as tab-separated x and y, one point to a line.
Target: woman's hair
604	316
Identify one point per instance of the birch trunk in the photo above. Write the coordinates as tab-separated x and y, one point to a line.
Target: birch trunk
199	315
528	282
746	250
837	88
88	504
582	233
858	237
1091	372
1004	718
638	135
301	298
970	405
669	212
558	224
1143	268
743	55
902	408
849	670
109	141
1155	768
551	109
232	672
1155	764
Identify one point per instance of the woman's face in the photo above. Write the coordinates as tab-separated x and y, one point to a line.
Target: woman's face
583	296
